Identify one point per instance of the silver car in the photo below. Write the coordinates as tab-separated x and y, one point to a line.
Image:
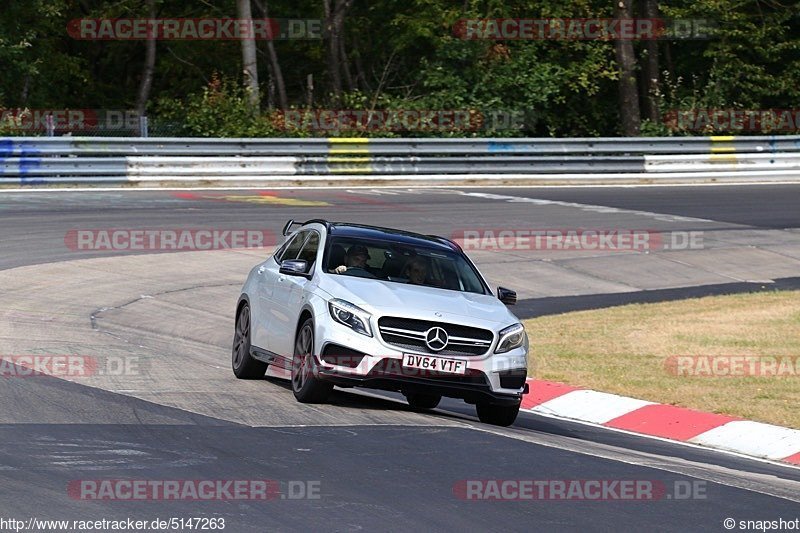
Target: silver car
349	305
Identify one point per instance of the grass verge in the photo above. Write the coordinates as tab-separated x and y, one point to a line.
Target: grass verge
632	350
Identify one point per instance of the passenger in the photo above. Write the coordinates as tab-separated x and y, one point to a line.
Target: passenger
356	262
416	271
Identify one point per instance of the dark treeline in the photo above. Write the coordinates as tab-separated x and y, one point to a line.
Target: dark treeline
409	55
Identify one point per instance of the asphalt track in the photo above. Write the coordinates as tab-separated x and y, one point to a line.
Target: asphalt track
379	465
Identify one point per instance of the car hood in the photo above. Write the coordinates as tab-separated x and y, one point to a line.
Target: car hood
413	301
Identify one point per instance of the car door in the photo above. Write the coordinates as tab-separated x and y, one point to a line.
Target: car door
267	276
288	299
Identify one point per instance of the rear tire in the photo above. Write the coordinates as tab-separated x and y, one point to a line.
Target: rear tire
307	387
244	365
497	415
423	402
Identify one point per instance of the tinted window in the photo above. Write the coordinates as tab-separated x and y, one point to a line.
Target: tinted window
292	248
309	251
404	263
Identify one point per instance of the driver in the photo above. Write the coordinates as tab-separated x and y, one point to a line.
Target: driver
355	262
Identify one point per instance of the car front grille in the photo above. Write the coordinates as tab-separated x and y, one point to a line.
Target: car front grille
409	334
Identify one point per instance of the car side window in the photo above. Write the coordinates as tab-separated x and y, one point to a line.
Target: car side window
309	251
291	249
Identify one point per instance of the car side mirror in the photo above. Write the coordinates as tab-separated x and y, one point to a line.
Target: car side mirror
294	267
507	296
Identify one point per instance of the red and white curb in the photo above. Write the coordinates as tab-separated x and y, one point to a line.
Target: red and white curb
664	421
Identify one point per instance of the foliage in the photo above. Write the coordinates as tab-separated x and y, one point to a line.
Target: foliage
220	110
402	55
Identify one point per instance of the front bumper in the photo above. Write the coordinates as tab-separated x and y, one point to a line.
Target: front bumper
350	359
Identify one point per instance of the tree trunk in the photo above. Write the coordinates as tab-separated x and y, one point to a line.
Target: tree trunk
332	57
275	66
309	90
149	66
250	66
348	77
361	75
668	59
23	98
334	29
277	73
628	90
652	75
270	89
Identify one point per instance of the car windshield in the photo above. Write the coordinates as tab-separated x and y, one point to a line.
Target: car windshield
402	263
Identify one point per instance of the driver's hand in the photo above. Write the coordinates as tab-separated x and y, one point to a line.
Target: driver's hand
341	269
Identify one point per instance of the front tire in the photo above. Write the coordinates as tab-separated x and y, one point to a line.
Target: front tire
244	366
423	402
307	387
497	415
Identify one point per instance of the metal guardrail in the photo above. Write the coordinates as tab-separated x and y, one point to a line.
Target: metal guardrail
42	160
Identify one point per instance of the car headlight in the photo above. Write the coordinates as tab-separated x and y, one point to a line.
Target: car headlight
510	338
351	316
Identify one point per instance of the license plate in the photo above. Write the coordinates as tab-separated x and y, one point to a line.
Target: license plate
434	364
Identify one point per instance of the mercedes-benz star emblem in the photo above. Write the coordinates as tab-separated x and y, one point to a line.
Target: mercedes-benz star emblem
436	339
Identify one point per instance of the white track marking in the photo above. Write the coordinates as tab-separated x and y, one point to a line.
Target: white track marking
585	207
687	444
754	482
417	187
